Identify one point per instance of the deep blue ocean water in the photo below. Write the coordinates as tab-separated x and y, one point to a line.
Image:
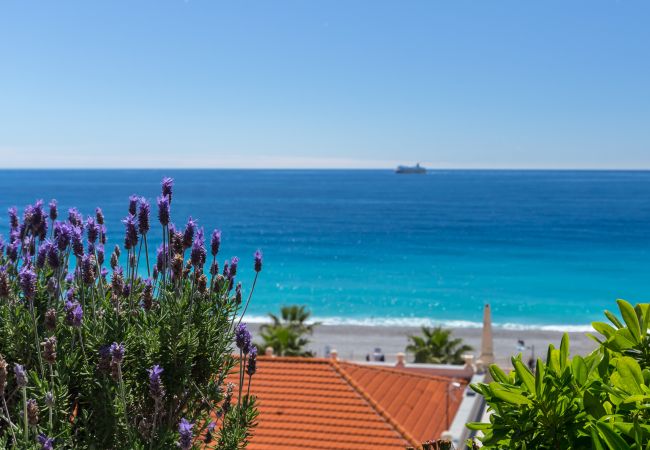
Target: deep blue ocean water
544	248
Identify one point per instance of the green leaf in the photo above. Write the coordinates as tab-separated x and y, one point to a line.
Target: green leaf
611	437
598	445
604	328
525	375
478	426
508	396
564	350
539	377
631	319
579	369
593	405
631	377
498	374
645	315
613	319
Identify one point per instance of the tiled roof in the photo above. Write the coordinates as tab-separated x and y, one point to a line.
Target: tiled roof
417	401
314	403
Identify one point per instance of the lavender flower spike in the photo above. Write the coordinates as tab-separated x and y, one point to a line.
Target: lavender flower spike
185	430
27	279
234	262
198	250
215	243
243	338
188	235
156	389
143	216
133	204
117	353
167	186
77	241
21	375
258	261
54	212
46	442
73	314
163	210
131	233
251	368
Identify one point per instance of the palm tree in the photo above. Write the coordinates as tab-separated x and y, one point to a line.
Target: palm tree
286	334
436	346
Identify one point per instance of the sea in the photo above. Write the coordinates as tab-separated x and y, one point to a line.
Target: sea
546	249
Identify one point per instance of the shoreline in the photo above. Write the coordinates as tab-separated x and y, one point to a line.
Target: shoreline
354	342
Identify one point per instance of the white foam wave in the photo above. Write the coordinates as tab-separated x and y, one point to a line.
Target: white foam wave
422	321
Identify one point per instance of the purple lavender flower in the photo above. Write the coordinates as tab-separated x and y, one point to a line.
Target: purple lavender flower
28	247
54	212
73	314
77	241
62	235
100	254
21	375
88	269
117	353
131	233
53	256
99	215
104	272
163	210
167	186
188	235
251	368
143	216
209	431
160	257
215	242
12	251
243	338
2	244
258	261
13	217
214	268
233	266
198	250
74	217
27	279
92	229
156	388
14	234
46	442
41	256
238	294
186	436
133	204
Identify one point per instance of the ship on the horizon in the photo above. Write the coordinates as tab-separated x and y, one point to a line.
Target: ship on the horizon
411	169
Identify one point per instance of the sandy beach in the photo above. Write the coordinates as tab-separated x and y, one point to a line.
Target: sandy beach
355	342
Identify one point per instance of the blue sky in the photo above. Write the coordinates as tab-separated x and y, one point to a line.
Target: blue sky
483	84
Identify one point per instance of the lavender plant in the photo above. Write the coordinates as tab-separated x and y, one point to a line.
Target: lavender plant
92	358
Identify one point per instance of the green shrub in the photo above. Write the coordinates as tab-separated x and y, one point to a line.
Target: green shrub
91	360
600	401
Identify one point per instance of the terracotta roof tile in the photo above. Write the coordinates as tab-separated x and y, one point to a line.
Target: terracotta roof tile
415	400
313	403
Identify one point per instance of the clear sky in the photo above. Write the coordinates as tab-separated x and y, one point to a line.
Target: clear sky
454	84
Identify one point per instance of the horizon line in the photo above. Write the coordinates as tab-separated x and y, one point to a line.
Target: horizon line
376	169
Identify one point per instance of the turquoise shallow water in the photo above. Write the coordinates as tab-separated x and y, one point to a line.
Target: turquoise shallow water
545	248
